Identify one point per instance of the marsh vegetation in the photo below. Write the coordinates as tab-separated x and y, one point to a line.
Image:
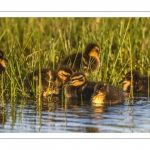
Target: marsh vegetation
33	43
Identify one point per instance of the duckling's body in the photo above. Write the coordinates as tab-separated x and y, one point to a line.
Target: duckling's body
51	80
88	61
78	87
2	62
139	83
106	94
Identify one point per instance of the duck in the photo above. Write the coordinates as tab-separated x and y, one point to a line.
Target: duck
106	94
52	81
2	62
134	79
88	61
78	87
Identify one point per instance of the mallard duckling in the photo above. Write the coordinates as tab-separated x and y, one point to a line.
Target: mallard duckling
2	62
106	94
51	80
139	83
88	61
78	87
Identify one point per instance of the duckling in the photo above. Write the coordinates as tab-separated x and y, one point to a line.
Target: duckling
140	83
78	87
88	61
106	94
51	80
2	62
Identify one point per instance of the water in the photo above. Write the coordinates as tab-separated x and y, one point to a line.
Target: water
30	116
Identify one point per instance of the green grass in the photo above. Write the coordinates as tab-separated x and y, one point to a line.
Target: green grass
33	43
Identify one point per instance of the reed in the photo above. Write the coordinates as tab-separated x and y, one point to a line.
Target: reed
131	68
34	43
149	84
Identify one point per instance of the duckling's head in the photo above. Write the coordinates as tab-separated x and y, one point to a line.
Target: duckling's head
64	73
92	50
2	62
100	90
77	79
134	73
131	75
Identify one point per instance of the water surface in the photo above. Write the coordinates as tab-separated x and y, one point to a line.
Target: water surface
30	116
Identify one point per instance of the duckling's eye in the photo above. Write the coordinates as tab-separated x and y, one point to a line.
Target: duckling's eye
81	79
65	75
97	91
73	80
101	88
128	78
97	50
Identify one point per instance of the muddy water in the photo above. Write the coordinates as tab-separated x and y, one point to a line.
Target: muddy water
56	116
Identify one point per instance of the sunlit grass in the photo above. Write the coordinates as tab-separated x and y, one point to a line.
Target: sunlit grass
34	43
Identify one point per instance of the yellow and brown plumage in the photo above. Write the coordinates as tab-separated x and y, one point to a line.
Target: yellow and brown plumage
78	87
2	62
51	80
139	83
106	94
86	62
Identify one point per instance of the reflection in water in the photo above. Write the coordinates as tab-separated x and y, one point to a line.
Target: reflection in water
2	118
60	115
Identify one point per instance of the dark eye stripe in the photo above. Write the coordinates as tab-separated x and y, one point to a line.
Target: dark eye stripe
74	79
64	75
97	50
80	79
